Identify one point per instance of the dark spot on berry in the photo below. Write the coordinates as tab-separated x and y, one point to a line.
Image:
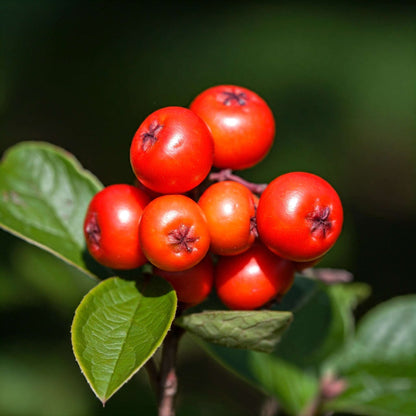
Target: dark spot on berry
182	238
93	231
253	226
320	223
230	97
149	138
253	223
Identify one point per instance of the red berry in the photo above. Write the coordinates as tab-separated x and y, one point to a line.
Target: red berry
111	226
173	233
193	285
251	279
299	216
241	123
172	151
230	212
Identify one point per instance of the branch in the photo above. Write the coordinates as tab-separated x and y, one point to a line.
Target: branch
329	276
270	407
329	387
227	175
168	382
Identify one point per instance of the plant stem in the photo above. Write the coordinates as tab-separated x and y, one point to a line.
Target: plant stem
330	387
227	175
168	382
270	407
314	407
329	276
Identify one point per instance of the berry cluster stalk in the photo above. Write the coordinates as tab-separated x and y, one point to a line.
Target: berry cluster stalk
164	381
227	175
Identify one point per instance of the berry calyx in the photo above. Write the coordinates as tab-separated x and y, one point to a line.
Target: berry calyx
93	232
149	137
182	238
320	223
173	233
232	97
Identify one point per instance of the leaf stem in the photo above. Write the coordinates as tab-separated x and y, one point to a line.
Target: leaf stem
227	175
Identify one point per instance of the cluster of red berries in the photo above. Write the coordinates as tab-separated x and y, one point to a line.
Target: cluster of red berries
200	227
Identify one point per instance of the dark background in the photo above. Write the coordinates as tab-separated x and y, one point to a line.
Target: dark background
340	80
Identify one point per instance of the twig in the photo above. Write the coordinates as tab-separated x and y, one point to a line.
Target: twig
329	276
314	407
227	175
270	407
329	387
168	382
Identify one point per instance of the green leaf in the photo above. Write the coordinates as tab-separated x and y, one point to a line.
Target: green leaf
310	327
117	327
344	299
263	371
299	294
293	387
44	195
254	330
323	321
379	365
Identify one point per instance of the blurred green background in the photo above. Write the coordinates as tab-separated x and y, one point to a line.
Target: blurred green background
341	81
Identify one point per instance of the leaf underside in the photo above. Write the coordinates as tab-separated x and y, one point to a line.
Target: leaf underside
254	330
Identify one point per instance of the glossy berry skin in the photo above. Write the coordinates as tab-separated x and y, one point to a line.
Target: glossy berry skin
111	226
172	151
173	233
230	212
251	279
299	216
241	123
193	285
